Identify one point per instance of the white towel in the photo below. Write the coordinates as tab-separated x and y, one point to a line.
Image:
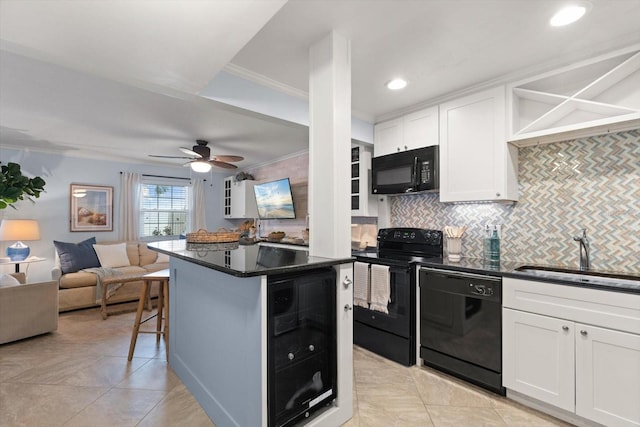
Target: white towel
380	288
361	284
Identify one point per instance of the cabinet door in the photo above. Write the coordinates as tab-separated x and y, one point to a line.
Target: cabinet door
476	163
607	376
538	357
421	128
387	137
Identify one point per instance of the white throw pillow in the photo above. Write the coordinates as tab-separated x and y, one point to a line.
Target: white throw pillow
162	258
112	255
8	280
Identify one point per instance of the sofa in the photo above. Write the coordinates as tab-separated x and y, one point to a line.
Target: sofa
78	289
28	309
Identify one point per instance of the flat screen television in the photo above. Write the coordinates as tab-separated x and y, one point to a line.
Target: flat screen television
274	199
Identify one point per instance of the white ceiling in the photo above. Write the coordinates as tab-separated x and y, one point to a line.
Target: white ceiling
120	79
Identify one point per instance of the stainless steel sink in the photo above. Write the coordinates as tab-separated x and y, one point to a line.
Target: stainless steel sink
579	276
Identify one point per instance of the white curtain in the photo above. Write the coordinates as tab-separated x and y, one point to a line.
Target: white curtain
130	187
198	219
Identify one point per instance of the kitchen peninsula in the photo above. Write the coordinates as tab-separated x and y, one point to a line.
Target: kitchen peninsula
254	332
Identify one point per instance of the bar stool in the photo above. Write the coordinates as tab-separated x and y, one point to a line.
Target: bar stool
162	277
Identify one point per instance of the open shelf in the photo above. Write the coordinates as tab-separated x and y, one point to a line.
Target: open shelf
600	94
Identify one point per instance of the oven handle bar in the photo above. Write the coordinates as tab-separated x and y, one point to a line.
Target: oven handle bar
452	273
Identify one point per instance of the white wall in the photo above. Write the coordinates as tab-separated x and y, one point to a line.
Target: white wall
52	208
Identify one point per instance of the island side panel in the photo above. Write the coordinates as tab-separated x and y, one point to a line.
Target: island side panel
216	341
342	411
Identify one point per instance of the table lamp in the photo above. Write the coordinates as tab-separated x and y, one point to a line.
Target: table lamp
19	229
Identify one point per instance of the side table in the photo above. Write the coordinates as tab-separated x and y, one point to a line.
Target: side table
26	261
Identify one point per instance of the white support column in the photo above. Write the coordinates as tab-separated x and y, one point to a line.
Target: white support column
329	197
330	147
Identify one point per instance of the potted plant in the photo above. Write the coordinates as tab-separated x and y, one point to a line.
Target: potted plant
14	186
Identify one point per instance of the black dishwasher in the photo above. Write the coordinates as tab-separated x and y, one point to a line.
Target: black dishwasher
461	325
301	345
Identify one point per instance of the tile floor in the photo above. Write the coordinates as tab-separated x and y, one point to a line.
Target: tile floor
79	376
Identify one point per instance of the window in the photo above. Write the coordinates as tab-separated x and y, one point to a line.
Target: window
164	209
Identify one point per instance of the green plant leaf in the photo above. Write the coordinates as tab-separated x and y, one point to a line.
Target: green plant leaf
14	186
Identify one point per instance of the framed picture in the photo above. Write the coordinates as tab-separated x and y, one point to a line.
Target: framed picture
91	208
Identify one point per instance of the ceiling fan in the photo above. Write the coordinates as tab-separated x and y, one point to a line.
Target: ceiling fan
201	160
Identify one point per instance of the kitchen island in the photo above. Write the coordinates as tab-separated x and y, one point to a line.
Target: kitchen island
222	330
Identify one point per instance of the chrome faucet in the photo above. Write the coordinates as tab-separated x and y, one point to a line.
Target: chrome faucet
584	249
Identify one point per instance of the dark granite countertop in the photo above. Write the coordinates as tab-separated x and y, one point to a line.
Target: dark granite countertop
245	261
598	279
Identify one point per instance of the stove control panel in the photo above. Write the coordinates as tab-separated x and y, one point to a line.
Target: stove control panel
410	235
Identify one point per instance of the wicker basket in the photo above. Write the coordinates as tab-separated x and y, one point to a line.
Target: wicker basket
276	235
222	235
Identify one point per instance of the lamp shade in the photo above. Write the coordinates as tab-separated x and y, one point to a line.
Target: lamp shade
19	229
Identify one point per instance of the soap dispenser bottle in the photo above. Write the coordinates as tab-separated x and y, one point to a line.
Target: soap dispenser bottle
494	245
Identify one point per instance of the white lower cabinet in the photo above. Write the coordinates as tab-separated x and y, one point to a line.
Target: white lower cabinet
539	357
607	376
576	349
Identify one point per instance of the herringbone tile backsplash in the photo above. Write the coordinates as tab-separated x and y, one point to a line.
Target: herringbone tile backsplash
591	183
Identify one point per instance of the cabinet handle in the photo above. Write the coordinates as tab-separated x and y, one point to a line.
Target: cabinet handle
405	147
497	194
583	333
311	347
397	148
291	356
347	307
565	328
346	282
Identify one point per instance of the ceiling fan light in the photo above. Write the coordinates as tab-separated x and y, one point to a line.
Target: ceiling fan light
200	166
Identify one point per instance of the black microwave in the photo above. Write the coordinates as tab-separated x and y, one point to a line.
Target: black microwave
406	171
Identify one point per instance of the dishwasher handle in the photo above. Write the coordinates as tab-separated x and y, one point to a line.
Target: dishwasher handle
460	274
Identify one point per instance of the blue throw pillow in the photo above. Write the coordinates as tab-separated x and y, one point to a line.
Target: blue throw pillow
76	256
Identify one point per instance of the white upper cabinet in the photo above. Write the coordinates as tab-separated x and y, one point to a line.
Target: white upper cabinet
588	98
476	162
387	137
239	199
415	130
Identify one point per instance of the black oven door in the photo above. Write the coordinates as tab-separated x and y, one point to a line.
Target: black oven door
398	320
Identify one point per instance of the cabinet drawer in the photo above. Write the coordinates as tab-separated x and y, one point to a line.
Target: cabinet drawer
615	310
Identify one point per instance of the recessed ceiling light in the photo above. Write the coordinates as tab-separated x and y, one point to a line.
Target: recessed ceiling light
396	84
568	14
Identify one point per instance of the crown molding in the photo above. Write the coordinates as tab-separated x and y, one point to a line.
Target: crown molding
601	51
263	80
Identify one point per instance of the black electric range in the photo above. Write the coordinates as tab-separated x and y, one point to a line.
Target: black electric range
393	334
